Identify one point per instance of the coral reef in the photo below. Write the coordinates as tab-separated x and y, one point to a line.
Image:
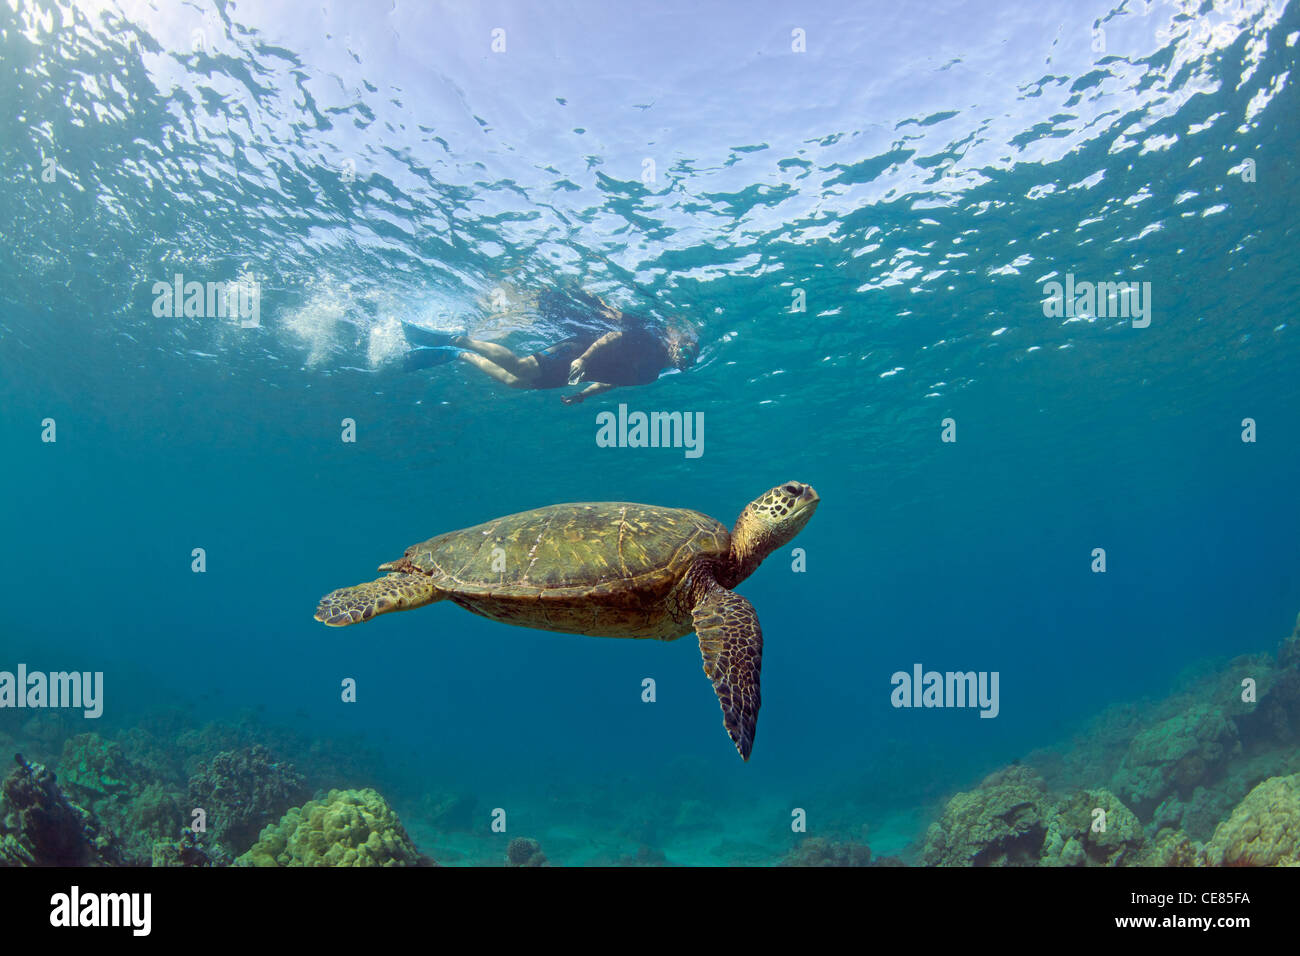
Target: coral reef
242	791
1206	775
40	826
187	851
818	851
524	851
1183	762
347	828
1264	829
136	785
1012	819
155	812
1174	756
1079	835
1171	848
199	745
1002	822
100	777
94	766
157	758
1174	770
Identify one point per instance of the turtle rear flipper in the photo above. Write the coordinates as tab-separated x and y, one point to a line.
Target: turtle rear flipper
393	592
731	643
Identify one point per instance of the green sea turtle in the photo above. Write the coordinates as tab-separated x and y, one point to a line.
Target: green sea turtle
607	569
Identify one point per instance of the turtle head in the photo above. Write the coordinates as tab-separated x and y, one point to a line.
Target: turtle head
770	521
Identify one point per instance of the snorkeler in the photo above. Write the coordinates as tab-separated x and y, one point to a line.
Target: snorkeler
632	354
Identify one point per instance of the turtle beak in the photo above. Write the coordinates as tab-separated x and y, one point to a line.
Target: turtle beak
807	499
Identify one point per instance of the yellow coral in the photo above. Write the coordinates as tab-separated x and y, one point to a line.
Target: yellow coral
1264	830
347	828
1171	848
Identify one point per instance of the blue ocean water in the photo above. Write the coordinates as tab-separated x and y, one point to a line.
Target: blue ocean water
860	207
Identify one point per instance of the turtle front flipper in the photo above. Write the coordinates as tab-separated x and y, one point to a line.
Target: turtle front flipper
393	592
731	643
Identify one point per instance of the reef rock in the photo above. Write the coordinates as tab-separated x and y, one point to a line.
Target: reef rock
1264	830
1011	819
347	828
155	813
818	851
95	766
187	851
156	757
1078	835
242	791
1276	719
1002	822
1170	848
1288	653
524	851
1173	757
100	776
40	826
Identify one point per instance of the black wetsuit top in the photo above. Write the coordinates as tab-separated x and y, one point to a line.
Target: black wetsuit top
636	357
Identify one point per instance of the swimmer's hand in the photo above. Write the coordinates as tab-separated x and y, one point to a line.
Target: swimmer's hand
575	399
576	371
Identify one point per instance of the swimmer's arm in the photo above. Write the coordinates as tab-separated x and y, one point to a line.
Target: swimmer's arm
611	313
605	340
595	388
598	304
578	367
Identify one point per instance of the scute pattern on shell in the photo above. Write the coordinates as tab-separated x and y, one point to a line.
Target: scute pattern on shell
568	547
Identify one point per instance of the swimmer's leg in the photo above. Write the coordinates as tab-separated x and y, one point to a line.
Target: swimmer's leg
500	374
500	357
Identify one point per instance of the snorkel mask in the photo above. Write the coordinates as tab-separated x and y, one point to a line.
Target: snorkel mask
683	347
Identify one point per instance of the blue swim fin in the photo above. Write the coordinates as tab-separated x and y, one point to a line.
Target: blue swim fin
428	357
427	338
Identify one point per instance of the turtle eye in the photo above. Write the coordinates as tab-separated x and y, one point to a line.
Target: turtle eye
792	490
